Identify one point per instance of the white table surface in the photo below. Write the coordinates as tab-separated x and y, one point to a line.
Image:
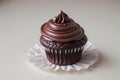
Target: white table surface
20	23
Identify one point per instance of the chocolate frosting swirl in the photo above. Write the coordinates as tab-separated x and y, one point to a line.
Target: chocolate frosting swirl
62	29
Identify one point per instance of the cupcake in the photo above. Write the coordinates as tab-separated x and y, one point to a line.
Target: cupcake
63	40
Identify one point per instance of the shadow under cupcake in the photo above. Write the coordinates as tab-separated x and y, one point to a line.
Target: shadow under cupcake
63	40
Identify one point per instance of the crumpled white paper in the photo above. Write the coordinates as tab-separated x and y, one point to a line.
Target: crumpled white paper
36	56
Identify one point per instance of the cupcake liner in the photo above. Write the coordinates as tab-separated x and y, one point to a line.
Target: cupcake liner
64	56
36	55
65	51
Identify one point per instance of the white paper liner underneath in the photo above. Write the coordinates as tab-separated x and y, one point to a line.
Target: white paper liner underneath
36	55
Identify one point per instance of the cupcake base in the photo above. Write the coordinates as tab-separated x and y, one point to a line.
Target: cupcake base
63	53
64	58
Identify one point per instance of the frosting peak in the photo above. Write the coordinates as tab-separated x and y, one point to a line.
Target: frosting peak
62	18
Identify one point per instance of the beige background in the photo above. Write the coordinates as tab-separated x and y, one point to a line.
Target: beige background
20	22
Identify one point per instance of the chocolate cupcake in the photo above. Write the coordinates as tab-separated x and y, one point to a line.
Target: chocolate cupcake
63	40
